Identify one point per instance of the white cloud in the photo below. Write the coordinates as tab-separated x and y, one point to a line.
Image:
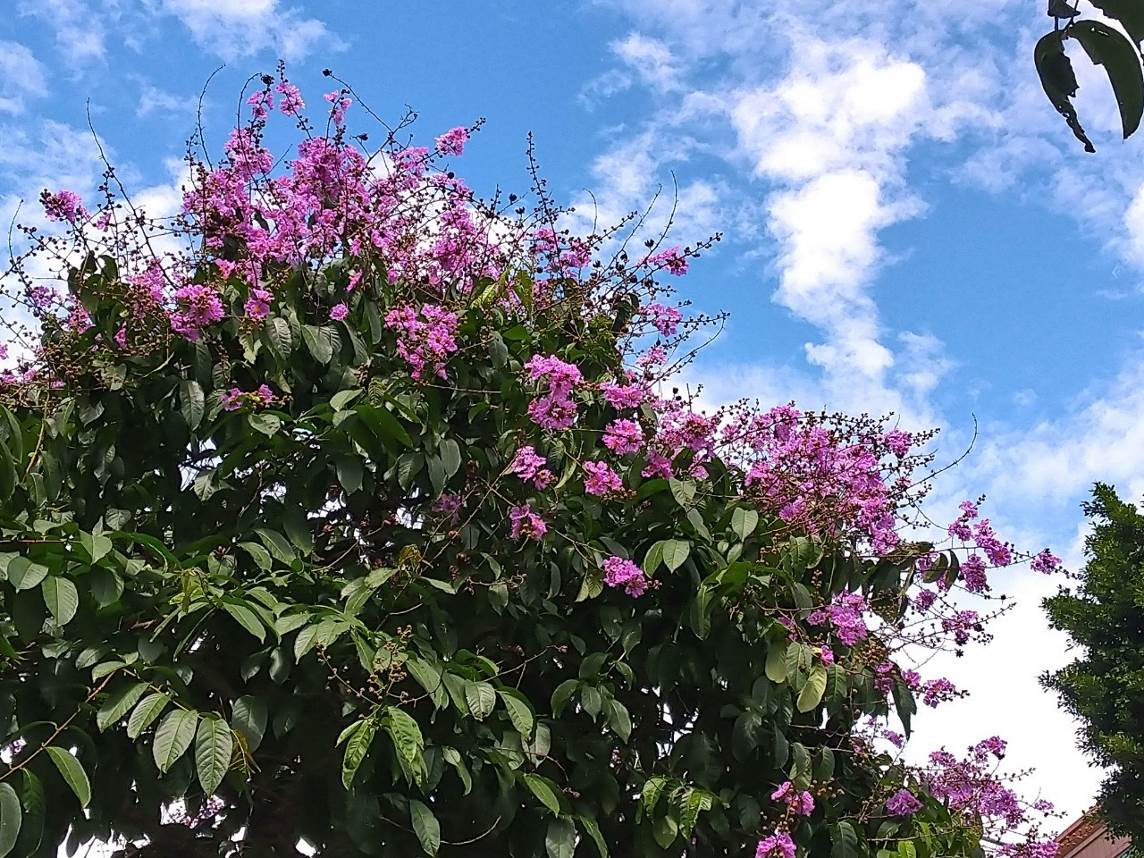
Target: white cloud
236	28
21	76
652	60
80	29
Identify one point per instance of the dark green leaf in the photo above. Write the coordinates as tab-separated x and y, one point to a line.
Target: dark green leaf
425	826
72	773
214	746
61	598
175	734
1106	47
1059	81
560	838
11	817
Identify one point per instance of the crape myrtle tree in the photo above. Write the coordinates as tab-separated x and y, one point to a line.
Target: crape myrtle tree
1104	615
347	512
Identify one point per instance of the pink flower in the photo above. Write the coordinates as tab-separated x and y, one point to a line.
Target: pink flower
1046	562
531	467
601	480
623	395
902	803
526	523
453	141
339	312
623	437
664	319
425	337
673	259
899	442
292	104
777	845
196	307
257	306
63	206
619	572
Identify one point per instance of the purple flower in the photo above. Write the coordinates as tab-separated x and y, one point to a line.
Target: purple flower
257	306
1046	562
339	312
619	572
453	141
903	803
601	480
777	845
526	523
63	206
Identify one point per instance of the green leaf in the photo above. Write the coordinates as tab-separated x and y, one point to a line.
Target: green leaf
11	817
356	749
481	698
265	422
175	734
277	543
1130	14
106	586
383	424
592	829
675	553
425	826
776	667
619	720
653	558
683	491
519	713
61	598
544	790
8	476
450	457
34	801
744	521
562	694
246	618
429	677
350	473
149	708
811	694
214	746
96	545
72	772
1059	81
560	838
318	343
845	841
249	717
192	403
23	574
116	707
1121	60
694	802
652	790
407	740
279	337
342	398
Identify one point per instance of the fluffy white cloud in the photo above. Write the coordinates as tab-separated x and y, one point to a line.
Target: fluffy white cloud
235	28
22	76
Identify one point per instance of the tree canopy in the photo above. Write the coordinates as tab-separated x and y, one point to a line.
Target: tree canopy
1104	616
347	509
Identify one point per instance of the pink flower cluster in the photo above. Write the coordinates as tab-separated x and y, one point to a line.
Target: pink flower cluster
425	338
623	437
777	845
673	259
623	396
235	398
800	803
619	572
846	615
257	306
196	307
664	319
969	785
453	141
525	522
531	467
903	803
601	480
63	206
554	409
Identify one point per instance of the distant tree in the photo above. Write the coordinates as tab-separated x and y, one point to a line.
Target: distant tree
1104	687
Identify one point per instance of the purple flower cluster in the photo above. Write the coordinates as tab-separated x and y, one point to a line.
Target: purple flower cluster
937	691
619	572
601	479
777	845
236	398
525	522
196	307
453	141
799	803
555	409
425	337
623	437
63	206
903	803
531	467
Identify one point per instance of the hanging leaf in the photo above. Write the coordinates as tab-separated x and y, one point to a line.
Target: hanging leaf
72	772
214	746
519	713
1129	13
118	706
811	694
356	749
192	403
1106	47
11	818
560	839
545	791
149	708
1059	81
481	698
61	598
249	717
23	574
175	734
675	553
425	826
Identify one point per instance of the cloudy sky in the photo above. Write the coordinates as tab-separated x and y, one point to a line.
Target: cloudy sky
909	227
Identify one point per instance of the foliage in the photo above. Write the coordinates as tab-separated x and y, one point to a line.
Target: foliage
356	518
1105	46
1104	687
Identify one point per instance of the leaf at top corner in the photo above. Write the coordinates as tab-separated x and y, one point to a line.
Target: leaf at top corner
1059	81
1121	60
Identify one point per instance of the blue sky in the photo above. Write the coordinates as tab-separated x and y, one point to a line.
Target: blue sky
908	225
